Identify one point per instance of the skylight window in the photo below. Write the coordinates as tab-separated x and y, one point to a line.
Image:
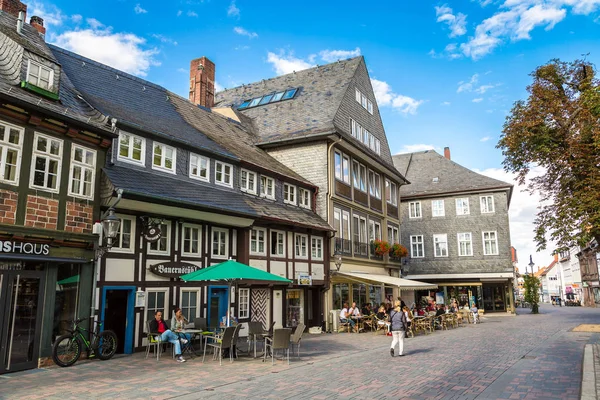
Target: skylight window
270	98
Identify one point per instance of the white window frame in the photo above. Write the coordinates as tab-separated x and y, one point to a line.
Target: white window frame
264	186
243	303
164	237
345	169
493	241
226	178
129	157
417	247
225	243
462	238
462	206
132	236
198	165
374	230
415	210
289	194
316	248
487	204
301	246
163	157
251	182
304	198
256	238
280	246
440	238
438	208
393	235
48	156
50	87
184	237
197	306
392	189
83	167
370	106
337	165
165	308
5	146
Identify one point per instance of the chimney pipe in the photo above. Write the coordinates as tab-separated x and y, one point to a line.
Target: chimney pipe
20	20
202	82
447	152
38	24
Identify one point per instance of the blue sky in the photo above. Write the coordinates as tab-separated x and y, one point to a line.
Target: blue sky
444	73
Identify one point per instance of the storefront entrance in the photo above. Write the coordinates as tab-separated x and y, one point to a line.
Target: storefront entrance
21	307
118	314
494	298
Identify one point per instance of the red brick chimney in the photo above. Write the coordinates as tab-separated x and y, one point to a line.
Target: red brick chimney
38	24
13	7
447	152
202	82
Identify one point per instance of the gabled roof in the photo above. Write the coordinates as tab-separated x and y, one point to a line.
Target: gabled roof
29	38
423	167
132	101
310	112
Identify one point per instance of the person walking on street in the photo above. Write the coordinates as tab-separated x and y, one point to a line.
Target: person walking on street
398	323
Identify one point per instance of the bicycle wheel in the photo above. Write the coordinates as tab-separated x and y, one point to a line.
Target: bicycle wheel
107	345
66	350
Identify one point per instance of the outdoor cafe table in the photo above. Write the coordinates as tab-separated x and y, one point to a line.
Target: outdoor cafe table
359	322
189	346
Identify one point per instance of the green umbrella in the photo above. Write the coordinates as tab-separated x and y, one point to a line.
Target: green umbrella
231	271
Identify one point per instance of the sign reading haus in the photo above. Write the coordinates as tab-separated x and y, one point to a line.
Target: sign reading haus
10	246
173	269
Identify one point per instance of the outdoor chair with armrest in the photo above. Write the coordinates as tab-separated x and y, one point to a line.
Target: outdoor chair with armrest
256	333
279	341
153	341
297	336
220	344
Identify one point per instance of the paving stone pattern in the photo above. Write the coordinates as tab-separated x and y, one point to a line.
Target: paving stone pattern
522	357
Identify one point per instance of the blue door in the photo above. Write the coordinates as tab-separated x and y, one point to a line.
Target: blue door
117	312
217	305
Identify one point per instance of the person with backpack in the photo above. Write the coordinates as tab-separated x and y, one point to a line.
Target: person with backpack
398	326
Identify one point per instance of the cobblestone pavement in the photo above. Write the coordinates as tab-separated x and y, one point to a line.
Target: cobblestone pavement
504	357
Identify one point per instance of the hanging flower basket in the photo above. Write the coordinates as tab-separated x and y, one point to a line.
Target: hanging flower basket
380	247
398	251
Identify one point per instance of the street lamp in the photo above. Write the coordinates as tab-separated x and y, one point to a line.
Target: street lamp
110	230
531	264
337	256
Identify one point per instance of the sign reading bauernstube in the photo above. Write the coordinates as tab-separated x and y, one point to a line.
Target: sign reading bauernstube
9	246
173	269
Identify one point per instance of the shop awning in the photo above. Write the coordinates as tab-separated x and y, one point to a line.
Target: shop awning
400	283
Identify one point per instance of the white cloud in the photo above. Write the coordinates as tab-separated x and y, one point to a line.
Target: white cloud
124	51
477	100
241	47
51	14
413	148
182	70
233	11
334	55
522	212
191	14
218	87
287	63
467	86
139	10
76	18
457	23
241	31
164	39
386	97
446	103
179	12
484	139
484	88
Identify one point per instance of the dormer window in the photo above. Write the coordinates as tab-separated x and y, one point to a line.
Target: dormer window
40	76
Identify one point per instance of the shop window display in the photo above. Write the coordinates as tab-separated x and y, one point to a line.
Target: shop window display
295	311
67	295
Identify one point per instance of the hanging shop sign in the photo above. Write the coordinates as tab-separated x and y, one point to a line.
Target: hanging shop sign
152	233
304	279
9	246
173	269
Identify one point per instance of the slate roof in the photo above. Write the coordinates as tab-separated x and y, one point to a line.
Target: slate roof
172	189
422	167
29	38
132	101
310	112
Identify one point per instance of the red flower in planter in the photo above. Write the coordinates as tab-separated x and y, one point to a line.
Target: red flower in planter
398	251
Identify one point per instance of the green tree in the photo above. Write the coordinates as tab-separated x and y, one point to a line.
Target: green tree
558	129
531	284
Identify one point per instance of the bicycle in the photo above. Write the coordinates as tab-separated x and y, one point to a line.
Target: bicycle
67	348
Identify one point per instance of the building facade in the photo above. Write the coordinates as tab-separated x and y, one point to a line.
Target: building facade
455	223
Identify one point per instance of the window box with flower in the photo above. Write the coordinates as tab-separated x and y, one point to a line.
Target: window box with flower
379	247
397	251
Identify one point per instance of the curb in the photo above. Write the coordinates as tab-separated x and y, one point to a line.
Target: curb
590	373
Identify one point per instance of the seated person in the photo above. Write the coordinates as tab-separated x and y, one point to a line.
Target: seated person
354	311
178	323
439	312
345	316
475	312
159	326
366	310
409	315
382	317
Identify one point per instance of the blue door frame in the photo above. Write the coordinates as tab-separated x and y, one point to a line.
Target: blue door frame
128	345
222	301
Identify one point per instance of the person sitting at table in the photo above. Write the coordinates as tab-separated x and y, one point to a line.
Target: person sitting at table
382	317
178	323
345	315
354	311
366	310
159	326
409	316
440	311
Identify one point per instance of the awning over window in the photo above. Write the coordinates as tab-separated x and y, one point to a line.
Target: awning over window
400	283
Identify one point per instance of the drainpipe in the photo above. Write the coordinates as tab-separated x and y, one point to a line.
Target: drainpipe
98	261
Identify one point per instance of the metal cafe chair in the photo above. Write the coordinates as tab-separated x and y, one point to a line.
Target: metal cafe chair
280	341
219	344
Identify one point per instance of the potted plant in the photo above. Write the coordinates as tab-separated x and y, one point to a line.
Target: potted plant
380	247
398	251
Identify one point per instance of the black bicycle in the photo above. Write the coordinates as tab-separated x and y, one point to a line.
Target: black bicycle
67	348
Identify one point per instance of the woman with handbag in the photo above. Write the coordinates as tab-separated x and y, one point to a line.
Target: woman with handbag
398	324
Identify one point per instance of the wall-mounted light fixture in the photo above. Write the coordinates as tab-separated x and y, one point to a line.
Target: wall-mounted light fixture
110	229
